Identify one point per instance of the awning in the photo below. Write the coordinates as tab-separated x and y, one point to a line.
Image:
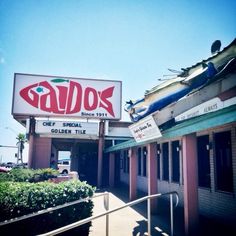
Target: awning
210	120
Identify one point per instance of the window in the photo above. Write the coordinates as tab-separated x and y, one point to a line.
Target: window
165	156
203	161
175	161
158	161
117	141
63	162
223	161
139	161
144	161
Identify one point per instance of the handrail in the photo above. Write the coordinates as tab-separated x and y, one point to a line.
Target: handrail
50	209
149	197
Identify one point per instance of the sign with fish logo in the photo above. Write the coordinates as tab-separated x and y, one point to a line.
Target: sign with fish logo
36	95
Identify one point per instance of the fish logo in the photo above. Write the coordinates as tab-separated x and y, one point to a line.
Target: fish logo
63	96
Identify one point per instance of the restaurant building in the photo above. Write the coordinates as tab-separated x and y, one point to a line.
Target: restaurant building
189	145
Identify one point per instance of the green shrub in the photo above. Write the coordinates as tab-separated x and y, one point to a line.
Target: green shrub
21	175
43	174
20	198
5	177
28	175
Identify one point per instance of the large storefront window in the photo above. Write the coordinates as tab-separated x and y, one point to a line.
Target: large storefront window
223	161
175	161
203	147
165	156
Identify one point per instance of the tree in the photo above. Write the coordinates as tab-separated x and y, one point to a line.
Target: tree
21	140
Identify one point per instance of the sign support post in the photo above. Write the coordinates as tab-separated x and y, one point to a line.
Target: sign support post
100	152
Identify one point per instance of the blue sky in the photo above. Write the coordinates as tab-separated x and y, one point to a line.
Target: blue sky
132	41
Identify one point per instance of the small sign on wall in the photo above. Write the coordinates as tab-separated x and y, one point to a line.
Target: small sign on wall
212	105
145	129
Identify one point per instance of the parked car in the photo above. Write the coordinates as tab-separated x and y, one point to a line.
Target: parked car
4	169
10	165
63	166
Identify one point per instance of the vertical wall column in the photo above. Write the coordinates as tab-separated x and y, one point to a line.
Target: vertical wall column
152	172
31	143
31	151
74	166
100	152
42	152
190	184
112	169
132	174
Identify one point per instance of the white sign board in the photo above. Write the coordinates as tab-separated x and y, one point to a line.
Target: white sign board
37	95
212	105
65	128
145	129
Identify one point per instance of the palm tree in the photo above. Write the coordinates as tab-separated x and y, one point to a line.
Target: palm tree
21	140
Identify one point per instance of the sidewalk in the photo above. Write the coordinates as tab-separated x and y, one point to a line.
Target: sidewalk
132	220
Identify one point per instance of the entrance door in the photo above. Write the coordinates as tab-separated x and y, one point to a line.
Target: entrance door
88	162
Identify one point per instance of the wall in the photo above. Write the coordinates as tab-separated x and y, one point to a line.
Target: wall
212	203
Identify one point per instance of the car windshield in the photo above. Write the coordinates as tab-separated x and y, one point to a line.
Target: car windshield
63	162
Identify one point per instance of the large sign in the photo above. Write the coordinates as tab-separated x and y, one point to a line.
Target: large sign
145	129
66	127
212	105
36	95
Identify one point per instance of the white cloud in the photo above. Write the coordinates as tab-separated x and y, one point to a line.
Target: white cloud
2	60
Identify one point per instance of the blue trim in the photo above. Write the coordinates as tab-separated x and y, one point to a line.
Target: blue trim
208	72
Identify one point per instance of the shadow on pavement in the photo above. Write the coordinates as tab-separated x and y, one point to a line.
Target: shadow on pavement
161	220
140	229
